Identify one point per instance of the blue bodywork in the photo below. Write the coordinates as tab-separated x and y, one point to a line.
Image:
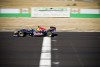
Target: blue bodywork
33	32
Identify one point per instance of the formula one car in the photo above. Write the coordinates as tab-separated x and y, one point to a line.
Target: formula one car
24	32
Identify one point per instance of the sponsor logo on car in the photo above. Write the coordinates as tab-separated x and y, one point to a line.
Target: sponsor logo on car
37	33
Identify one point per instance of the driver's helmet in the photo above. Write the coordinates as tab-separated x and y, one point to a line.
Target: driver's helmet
38	29
38	26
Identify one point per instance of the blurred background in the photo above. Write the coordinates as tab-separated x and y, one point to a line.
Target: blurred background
66	15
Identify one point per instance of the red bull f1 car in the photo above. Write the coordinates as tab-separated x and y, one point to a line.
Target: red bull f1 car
24	32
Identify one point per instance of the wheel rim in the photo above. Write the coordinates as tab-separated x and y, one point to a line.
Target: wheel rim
49	34
21	34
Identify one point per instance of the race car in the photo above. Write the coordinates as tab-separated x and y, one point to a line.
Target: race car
24	32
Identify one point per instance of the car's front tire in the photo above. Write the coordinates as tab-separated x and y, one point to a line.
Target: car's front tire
21	34
49	34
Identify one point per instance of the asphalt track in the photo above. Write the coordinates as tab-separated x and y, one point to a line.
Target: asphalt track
69	49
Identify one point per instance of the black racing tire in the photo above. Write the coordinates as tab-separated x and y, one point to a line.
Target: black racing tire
49	34
21	34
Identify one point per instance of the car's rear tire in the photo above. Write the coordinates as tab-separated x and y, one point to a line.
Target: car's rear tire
21	34
49	34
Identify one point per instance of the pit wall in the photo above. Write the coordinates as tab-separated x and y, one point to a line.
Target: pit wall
62	24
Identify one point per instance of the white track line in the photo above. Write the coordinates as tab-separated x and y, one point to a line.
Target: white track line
45	59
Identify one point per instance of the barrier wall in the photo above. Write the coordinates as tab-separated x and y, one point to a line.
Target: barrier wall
71	15
14	15
48	12
85	15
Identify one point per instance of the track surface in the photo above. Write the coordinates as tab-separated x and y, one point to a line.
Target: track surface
71	49
76	50
19	52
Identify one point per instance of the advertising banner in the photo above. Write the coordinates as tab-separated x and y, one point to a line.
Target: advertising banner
90	11
9	10
50	12
25	10
75	11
